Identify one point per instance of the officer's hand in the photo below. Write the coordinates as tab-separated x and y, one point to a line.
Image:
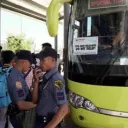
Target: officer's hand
36	73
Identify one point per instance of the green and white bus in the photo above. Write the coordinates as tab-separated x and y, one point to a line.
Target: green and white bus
97	61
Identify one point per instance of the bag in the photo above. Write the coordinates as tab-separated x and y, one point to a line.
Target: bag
29	118
13	110
4	95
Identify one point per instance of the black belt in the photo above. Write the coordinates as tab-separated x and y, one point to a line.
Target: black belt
45	119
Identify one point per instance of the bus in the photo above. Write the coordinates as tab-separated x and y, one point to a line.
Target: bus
97	61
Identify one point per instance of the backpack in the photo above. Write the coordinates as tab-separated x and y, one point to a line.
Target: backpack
4	95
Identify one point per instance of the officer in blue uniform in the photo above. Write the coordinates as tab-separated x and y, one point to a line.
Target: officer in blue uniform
18	90
50	96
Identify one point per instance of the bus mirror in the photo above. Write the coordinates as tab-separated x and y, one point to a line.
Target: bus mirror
53	16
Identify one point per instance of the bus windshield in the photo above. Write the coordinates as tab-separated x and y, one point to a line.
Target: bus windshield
98	41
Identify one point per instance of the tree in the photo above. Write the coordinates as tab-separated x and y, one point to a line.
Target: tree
16	43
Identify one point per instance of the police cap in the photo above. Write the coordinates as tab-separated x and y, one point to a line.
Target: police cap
25	55
47	52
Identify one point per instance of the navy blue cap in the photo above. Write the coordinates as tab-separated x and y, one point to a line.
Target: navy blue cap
47	52
25	55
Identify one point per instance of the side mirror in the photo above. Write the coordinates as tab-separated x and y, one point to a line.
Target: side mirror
53	16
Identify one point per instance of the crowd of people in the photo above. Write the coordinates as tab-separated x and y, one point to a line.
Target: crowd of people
33	82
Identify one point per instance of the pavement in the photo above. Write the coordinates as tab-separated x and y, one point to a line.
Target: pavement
68	123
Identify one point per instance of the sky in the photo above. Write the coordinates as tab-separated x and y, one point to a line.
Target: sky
13	23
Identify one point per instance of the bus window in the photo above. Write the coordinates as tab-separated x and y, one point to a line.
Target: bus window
89	26
108	64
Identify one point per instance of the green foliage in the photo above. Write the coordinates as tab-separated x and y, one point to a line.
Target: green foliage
16	43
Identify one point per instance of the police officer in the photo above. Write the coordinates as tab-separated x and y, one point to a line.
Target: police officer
44	45
51	100
17	87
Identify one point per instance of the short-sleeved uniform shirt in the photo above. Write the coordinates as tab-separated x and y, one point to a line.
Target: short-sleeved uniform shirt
17	87
51	93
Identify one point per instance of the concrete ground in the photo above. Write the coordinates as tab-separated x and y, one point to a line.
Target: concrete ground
69	124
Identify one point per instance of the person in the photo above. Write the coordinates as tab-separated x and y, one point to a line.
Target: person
18	90
0	49
29	73
103	43
118	38
29	76
59	62
36	59
8	58
51	100
34	63
44	45
1	64
8	61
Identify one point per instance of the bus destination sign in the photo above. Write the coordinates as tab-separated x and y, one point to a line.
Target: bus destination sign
96	4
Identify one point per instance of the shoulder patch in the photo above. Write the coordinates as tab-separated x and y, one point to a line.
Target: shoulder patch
60	96
59	84
18	85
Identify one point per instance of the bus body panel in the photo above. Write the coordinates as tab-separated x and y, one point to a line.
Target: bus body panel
94	120
110	98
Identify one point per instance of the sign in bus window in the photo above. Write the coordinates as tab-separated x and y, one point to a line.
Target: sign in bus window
96	4
85	46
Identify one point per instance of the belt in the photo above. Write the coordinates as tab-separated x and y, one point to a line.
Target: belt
45	119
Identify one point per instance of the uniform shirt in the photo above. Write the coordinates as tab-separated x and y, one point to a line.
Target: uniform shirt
17	87
51	93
